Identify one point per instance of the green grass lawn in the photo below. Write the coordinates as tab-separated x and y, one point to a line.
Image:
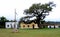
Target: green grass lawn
30	33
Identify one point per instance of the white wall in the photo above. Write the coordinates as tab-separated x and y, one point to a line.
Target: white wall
52	26
11	24
48	26
56	26
8	25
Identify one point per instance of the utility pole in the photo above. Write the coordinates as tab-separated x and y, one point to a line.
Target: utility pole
15	15
15	19
15	28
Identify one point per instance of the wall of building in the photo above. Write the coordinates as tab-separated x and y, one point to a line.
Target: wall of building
11	25
53	26
23	25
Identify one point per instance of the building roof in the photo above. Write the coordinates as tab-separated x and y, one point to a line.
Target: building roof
53	23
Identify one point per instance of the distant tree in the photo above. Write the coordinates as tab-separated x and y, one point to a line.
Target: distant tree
2	21
40	11
12	20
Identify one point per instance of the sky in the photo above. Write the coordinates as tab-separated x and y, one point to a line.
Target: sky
7	8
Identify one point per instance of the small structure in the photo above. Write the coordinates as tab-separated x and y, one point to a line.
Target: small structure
11	25
54	26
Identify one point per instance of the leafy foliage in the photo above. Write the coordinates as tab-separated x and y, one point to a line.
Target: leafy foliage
40	11
2	22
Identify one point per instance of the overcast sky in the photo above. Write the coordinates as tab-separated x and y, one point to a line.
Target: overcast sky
7	8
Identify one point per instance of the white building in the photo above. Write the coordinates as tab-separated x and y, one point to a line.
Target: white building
11	25
52	26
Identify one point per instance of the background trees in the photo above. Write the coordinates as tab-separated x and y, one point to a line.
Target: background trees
2	21
40	11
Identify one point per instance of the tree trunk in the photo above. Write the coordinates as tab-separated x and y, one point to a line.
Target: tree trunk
39	20
39	24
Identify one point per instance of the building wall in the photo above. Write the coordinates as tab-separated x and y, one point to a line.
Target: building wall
23	25
11	25
53	26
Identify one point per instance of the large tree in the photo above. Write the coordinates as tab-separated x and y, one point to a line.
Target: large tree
40	11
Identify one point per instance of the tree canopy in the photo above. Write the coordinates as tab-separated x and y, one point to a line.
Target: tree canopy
40	11
2	21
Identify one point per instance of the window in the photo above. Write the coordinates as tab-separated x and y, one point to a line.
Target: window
7	25
49	26
59	26
23	25
28	25
33	26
